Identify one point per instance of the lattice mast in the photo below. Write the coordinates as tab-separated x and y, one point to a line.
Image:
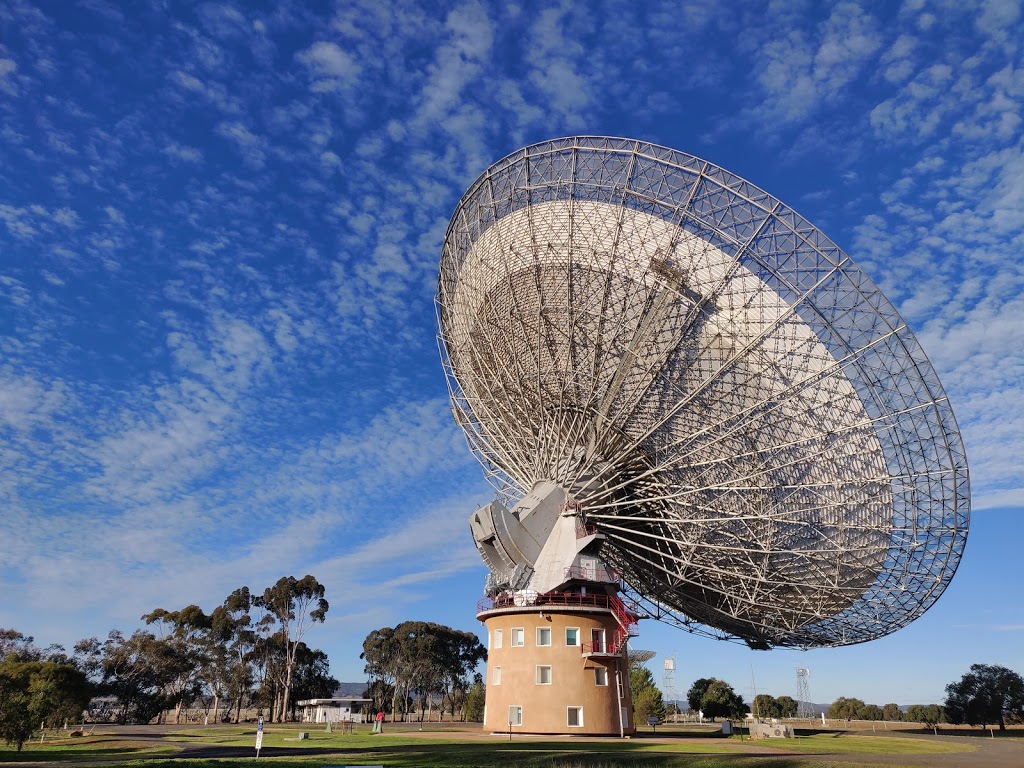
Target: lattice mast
668	679
803	693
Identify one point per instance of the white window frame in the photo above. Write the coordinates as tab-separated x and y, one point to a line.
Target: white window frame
515	714
579	717
599	673
577	631
538	674
495	675
520	634
541	630
497	638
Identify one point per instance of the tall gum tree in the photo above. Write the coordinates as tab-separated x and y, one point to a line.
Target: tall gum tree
296	604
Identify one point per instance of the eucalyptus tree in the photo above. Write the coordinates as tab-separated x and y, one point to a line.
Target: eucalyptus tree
421	659
647	697
381	654
695	695
129	669
183	652
475	700
766	705
892	712
928	714
720	700
312	677
788	706
295	604
37	687
988	693
845	708
870	712
233	644
715	698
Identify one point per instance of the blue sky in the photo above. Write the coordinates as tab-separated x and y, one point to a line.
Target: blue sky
220	226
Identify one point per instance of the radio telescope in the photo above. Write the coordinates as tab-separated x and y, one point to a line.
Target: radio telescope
643	344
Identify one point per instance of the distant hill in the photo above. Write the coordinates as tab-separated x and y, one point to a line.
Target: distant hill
350	690
816	709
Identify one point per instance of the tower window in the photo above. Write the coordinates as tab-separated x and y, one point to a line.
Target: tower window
543	635
543	675
515	715
517	637
600	676
572	635
574	717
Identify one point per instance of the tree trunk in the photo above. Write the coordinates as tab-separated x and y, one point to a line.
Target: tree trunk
289	664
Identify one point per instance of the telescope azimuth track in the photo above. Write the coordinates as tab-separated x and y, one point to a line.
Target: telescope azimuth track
713	383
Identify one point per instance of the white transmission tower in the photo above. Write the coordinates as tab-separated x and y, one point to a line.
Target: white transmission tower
668	680
803	693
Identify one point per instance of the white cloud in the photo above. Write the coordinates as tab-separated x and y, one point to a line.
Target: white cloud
179	152
898	60
7	67
249	144
26	403
331	67
799	71
997	17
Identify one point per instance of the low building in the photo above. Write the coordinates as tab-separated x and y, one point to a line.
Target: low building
342	709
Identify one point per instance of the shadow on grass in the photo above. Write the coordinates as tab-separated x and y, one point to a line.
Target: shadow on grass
978	733
81	754
414	757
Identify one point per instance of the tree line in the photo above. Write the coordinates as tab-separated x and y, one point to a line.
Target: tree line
247	652
411	665
986	695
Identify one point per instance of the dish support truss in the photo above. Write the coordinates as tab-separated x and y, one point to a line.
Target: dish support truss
726	396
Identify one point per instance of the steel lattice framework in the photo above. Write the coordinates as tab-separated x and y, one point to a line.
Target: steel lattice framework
730	400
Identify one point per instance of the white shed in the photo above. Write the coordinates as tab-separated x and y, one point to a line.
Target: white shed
335	710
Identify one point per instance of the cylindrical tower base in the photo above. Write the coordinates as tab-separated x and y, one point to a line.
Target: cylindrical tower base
554	669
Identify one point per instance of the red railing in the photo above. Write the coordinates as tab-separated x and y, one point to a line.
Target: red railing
525	599
626	629
585	529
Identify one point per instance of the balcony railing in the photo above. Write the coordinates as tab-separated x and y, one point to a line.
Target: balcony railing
553	599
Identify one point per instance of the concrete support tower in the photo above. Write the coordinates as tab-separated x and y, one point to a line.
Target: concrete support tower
556	627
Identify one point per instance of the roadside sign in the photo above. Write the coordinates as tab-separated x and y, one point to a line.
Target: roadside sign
259	736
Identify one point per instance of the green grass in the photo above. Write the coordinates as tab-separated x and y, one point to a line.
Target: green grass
84	749
447	747
852	744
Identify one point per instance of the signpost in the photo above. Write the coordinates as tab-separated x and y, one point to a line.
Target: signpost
259	736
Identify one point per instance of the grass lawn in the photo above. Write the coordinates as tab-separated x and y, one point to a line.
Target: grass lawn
405	747
97	748
854	744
